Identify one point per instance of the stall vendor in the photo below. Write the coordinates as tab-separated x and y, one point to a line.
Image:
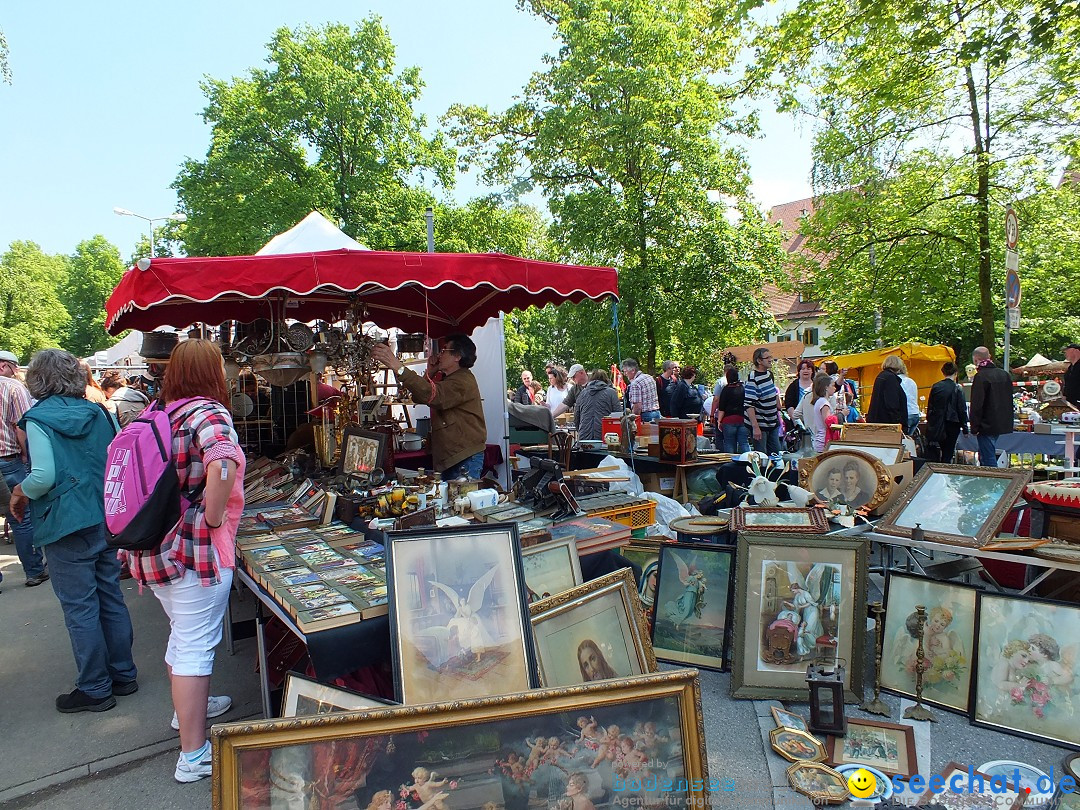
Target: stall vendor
448	387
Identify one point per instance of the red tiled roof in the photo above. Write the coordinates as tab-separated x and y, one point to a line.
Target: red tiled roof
784	305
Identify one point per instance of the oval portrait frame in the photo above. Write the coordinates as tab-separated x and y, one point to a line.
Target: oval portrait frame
879	473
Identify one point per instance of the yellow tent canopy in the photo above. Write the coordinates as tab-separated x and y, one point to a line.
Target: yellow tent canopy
923	364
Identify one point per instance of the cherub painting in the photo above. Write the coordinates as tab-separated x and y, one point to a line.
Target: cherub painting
1026	675
948	639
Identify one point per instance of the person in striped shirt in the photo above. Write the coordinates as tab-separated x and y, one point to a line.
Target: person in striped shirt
761	404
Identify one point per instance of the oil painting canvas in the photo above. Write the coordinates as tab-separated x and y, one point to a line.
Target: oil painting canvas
458	615
1025	670
690	619
948	639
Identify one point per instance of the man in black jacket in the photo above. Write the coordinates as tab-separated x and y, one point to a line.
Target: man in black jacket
946	416
991	405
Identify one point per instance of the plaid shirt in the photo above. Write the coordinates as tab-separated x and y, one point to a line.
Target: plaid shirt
642	391
202	432
14	402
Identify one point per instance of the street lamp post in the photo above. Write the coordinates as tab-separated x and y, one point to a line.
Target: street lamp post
175	217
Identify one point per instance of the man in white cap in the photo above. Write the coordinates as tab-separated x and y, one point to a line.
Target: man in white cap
578	378
14	402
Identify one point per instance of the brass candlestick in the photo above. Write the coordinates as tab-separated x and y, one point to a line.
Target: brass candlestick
877	705
918	711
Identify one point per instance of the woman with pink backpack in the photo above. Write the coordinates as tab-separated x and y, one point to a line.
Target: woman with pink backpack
191	571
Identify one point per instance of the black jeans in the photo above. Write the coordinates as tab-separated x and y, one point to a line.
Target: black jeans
944	450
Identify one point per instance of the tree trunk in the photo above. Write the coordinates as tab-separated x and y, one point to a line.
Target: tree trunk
986	302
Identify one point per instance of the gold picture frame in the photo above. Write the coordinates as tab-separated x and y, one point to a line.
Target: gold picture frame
871	487
315	761
819	782
781	519
602	622
884	451
786	719
795	745
866	430
955	503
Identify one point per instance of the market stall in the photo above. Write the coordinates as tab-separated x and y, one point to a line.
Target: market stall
923	364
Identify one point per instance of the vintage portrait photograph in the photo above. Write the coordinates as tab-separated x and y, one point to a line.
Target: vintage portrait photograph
690	617
1025	671
956	504
948	639
458	614
630	740
305	696
889	747
592	633
550	568
797	600
841	477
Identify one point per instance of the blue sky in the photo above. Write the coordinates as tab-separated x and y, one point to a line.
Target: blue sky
106	103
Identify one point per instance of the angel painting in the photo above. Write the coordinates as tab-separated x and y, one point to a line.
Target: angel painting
465	625
691	601
804	616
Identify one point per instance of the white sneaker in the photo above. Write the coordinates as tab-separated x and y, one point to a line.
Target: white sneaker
193	771
214	706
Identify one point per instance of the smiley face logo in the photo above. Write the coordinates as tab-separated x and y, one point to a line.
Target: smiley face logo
862	784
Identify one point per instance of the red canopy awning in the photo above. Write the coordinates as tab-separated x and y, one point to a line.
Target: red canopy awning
437	293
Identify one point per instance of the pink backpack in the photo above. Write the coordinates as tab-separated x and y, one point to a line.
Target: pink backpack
142	489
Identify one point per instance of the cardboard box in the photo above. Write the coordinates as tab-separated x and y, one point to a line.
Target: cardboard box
654	482
1044	427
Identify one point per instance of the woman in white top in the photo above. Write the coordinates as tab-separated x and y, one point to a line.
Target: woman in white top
821	410
557	391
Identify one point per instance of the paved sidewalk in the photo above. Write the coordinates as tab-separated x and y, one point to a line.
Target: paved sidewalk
41	748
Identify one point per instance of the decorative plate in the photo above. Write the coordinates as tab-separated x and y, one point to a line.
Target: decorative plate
241	405
1029	778
300	336
882	790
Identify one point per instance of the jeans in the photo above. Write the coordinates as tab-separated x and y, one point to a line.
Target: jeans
33	563
736	438
912	423
650	416
769	443
987	450
470	468
85	575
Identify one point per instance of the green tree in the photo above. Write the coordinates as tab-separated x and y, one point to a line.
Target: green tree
623	135
94	271
932	118
328	126
31	315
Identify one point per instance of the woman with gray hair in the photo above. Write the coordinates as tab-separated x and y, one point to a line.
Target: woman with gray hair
68	439
888	402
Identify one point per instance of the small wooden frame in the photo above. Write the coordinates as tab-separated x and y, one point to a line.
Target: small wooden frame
779	519
362	451
889	747
786	719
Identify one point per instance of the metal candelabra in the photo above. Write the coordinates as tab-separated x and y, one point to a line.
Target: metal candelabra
877	705
918	711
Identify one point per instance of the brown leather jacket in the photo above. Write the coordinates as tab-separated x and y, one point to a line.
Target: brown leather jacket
458	429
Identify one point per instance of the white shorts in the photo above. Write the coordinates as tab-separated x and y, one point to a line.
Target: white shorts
195	613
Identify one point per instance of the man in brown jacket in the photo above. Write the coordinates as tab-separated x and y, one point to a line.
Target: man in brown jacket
448	387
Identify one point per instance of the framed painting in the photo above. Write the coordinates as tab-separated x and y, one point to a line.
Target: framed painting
879	431
848	477
948	639
362	451
819	782
796	746
959	790
305	696
693	602
1025	662
592	632
550	568
510	751
889	747
459	625
778	519
886	453
644	552
1016	544
798	599
788	719
954	503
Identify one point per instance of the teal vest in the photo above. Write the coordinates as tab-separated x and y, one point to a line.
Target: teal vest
77	499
